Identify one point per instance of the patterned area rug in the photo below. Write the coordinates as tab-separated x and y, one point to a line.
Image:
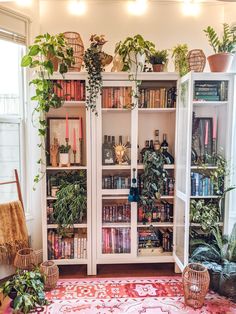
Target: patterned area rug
136	296
151	295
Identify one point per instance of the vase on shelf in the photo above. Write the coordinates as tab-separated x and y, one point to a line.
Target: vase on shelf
64	159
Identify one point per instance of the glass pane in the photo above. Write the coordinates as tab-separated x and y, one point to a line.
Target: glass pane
182	138
116	240
180	228
9	159
10	78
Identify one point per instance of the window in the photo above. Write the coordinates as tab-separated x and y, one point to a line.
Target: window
12	117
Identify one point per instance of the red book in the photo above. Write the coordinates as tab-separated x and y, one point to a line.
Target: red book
79	90
82	91
72	96
68	90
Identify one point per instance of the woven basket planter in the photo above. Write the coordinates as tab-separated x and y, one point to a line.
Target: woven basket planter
196	281
25	259
74	40
196	60
50	271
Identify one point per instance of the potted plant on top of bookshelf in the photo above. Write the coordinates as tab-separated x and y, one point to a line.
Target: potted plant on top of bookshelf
180	54
64	157
224	48
159	59
41	56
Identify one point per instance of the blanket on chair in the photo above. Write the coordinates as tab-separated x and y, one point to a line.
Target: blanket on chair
13	231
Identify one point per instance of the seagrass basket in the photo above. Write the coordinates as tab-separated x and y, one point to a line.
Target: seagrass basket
196	281
25	259
196	60
74	40
50	272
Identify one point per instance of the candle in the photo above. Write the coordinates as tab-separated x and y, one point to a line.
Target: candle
74	140
81	129
67	126
214	126
206	134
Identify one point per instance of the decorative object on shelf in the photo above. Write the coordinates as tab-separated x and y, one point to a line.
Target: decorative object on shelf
159	59
75	42
153	178
26	289
196	60
224	48
54	152
57	47
134	51
120	151
133	192
105	58
94	67
179	54
71	203
50	272
196	284
64	157
219	256
117	63
25	259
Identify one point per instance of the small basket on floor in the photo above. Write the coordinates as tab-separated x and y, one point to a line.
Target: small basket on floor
50	272
196	281
25	259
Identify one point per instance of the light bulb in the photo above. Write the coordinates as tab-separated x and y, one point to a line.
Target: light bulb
77	7
191	8
137	7
24	2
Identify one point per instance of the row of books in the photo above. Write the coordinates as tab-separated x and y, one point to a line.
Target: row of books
116	240
70	247
115	182
156	98
71	90
168	186
163	212
116	97
116	213
201	185
162	237
210	90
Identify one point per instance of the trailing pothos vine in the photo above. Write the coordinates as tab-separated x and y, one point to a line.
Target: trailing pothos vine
46	54
94	67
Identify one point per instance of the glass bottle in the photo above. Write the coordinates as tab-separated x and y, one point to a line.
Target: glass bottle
151	147
157	144
128	150
107	151
143	151
169	159
120	139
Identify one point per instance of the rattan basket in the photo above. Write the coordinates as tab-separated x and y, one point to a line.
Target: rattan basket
74	40
196	281
196	60
25	259
50	272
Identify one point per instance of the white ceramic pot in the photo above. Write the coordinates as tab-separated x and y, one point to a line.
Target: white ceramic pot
137	60
64	158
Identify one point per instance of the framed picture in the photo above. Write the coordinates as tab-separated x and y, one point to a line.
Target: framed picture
202	136
57	130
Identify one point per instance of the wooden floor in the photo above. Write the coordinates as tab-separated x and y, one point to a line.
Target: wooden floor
127	270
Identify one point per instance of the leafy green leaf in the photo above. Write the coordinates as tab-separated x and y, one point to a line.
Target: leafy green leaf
26	61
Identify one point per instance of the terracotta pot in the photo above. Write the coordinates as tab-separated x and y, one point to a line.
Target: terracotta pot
54	60
220	62
158	67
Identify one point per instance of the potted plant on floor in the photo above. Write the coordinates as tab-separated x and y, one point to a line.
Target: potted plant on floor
224	48
159	60
180	54
134	51
26	290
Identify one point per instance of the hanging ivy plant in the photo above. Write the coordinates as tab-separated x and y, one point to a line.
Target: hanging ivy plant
153	178
94	67
46	55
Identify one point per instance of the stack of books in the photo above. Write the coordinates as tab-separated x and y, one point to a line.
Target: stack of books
201	185
210	91
115	182
157	98
116	97
116	213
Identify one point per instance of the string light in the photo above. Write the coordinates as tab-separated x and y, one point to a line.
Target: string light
137	7
77	7
191	8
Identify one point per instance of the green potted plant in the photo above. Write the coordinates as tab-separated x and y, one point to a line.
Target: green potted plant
134	51
26	289
159	59
64	156
42	55
179	54
224	48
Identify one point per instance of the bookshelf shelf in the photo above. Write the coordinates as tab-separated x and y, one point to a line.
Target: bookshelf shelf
67	168
203	167
156	110
168	197
156	224
116	167
54	226
197	225
140	166
206	196
71	261
116	110
50	198
74	104
116	225
211	103
115	192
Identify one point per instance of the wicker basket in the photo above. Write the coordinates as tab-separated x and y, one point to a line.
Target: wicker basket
196	60
25	259
50	272
196	281
74	40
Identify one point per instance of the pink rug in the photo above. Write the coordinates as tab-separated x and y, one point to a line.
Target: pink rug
133	295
